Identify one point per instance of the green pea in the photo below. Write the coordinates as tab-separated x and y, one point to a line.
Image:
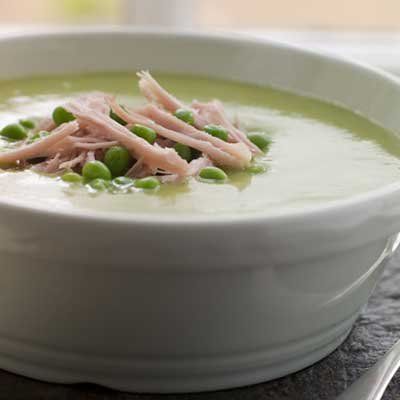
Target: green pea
147	183
217	131
72	177
96	169
123	182
118	160
256	169
213	174
144	132
99	184
14	132
261	140
61	116
27	123
184	151
38	136
185	115
116	118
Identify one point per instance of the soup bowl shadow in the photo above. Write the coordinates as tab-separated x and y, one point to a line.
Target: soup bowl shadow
148	304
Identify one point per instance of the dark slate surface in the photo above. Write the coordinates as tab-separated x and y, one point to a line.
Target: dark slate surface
375	331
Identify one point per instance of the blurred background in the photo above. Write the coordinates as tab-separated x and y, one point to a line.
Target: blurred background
260	14
365	29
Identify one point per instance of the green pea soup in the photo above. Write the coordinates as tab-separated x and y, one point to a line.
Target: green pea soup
318	153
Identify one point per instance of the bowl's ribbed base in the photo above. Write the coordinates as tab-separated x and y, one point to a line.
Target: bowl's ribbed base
175	375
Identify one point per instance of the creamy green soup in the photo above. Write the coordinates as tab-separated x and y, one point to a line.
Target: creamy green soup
319	152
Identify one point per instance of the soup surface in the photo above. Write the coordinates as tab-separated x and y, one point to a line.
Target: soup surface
319	152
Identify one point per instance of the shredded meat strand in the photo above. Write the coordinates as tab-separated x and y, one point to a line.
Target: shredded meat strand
193	138
155	93
41	147
87	138
214	113
204	113
157	157
241	154
73	162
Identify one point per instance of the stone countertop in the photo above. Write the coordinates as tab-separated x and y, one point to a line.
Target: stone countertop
375	331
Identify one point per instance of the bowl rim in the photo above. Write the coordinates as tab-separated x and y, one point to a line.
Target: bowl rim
331	208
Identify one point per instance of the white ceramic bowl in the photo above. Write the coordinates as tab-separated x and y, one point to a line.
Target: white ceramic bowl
194	304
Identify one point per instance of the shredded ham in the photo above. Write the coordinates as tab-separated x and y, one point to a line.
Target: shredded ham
204	114
152	90
65	147
240	152
155	93
70	164
72	144
95	101
156	157
140	170
86	139
214	113
41	147
45	124
95	146
191	137
53	164
50	165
